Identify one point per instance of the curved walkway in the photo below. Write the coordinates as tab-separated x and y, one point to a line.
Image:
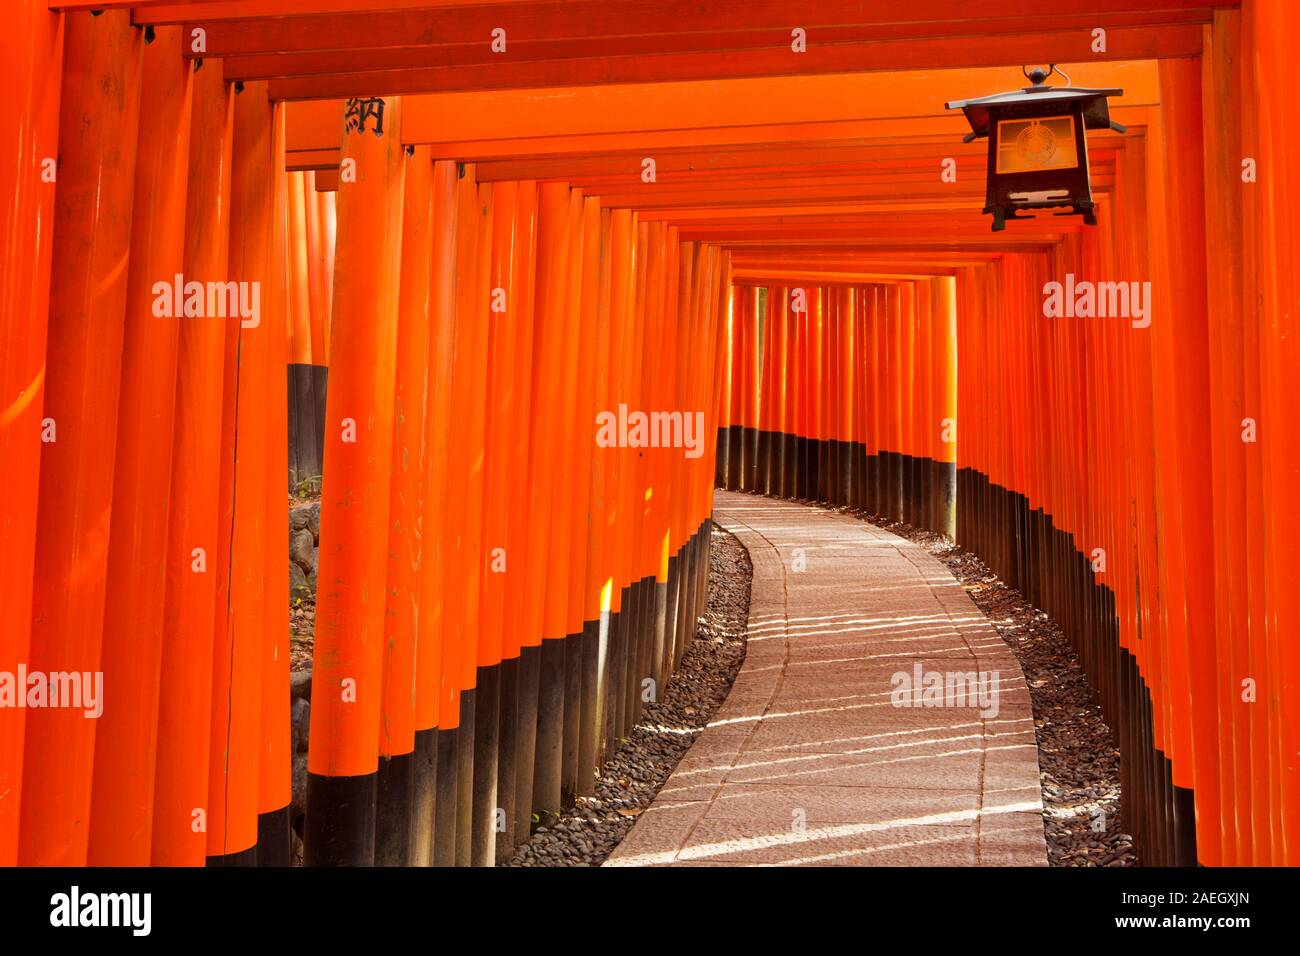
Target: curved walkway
827	752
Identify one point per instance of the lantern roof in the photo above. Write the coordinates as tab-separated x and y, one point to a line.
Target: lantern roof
1095	106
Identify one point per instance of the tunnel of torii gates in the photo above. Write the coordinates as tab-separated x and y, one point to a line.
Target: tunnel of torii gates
491	239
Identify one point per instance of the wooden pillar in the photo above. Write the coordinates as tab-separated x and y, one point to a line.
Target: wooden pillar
92	230
31	58
943	425
465	477
498	436
1269	29
582	618
347	683
184	704
598	589
274	787
548	551
437	680
397	759
244	533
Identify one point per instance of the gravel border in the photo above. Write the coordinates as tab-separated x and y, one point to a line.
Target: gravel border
1077	760
588	832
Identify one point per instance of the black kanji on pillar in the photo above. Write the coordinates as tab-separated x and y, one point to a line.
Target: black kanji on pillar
360	111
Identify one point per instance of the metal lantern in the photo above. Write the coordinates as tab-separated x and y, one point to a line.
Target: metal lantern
1038	148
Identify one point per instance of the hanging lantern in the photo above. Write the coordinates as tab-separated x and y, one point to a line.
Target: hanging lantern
1038	148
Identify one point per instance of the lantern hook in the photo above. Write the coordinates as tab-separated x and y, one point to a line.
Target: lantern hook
1038	76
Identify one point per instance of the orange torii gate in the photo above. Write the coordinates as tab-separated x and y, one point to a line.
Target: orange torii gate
495	269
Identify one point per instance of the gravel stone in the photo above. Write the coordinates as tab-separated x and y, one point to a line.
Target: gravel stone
299	586
300	722
299	516
302	550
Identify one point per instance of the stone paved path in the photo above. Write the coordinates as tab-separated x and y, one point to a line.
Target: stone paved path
811	760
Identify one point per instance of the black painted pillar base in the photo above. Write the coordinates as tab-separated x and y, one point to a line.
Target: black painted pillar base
448	794
306	408
683	598
657	667
487	730
550	730
595	648
678	568
634	614
763	447
574	715
273	840
393	810
720	459
614	681
530	669
749	474
508	699
339	829
424	783
465	778
735	456
871	493
789	466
